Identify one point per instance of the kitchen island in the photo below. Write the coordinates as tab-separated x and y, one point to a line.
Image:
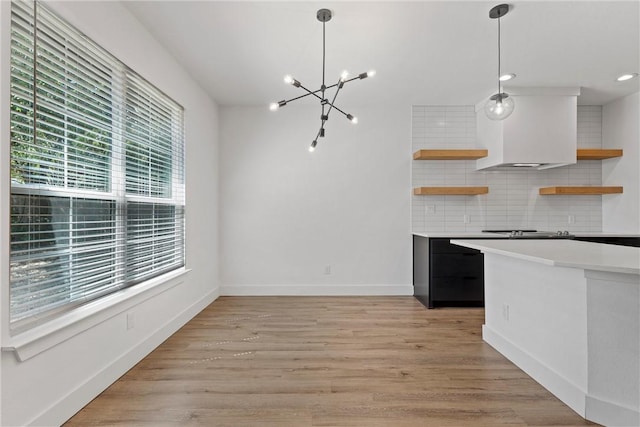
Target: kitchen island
568	314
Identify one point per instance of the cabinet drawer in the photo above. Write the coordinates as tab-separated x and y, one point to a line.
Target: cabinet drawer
457	289
458	265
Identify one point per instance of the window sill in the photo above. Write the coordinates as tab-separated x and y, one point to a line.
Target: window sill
30	343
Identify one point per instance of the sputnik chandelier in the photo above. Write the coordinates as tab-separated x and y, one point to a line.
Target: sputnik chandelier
323	15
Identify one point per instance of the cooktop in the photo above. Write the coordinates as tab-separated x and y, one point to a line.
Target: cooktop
532	234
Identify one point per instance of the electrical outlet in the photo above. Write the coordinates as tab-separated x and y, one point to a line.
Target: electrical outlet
505	312
466	219
571	219
327	269
131	321
430	209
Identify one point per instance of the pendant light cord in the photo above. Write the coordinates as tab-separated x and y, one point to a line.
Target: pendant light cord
498	55
323	55
323	66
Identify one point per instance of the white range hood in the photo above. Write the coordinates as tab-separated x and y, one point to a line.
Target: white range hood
539	134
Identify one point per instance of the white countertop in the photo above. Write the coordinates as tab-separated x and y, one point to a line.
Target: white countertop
563	253
458	234
603	234
474	234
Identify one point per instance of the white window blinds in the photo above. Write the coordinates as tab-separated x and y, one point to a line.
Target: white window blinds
97	171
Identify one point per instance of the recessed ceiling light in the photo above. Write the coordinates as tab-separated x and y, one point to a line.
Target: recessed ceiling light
505	77
624	77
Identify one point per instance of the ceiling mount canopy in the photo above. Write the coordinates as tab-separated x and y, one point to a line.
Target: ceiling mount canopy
324	16
499	106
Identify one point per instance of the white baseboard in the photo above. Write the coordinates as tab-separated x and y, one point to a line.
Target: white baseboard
315	290
611	414
68	405
559	386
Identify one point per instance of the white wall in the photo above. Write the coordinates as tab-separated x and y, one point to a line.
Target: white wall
513	201
620	129
49	387
287	214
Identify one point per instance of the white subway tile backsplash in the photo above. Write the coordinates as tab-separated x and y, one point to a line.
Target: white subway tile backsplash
513	200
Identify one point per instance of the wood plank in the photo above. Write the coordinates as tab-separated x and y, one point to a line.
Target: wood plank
453	191
456	154
578	191
598	153
320	361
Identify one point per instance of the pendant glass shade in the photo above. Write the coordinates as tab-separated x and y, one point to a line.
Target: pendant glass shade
499	106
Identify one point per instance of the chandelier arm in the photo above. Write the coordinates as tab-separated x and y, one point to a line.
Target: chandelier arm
334	96
336	108
329	87
312	93
320	90
334	85
298	97
319	133
349	80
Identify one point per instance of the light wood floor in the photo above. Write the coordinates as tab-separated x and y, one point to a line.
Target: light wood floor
327	361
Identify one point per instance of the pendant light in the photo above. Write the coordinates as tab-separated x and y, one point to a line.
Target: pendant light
324	16
501	105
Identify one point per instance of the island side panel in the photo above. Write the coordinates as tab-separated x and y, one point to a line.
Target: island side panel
613	324
421	270
535	315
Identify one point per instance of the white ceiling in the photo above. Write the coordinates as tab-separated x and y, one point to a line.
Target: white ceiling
424	52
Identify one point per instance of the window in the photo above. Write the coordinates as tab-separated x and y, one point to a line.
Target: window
97	171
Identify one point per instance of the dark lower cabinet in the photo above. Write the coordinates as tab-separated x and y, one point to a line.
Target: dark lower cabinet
447	275
457	290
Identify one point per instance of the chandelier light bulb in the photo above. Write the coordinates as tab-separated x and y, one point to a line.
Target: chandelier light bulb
288	79
371	73
312	148
344	75
273	106
507	77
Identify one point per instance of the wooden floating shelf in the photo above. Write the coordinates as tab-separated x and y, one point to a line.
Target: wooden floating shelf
598	154
461	154
451	191
579	190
